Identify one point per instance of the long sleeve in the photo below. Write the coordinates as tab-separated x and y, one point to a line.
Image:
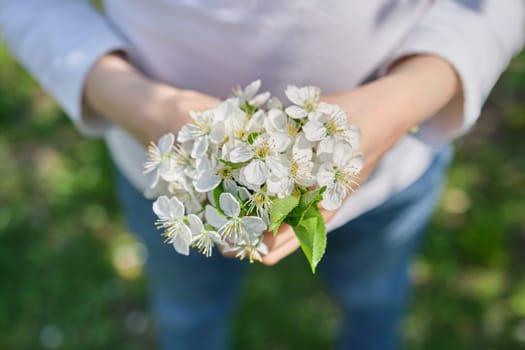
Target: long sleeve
478	38
58	41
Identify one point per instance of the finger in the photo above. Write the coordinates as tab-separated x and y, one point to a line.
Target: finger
279	253
327	214
283	235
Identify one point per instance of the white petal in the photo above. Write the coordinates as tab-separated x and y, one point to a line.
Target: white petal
184	134
215	237
339	117
161	207
315	115
277	185
181	242
260	99
332	198
325	175
256	122
195	222
241	154
168	169
187	146
199	147
293	94
355	165
203	164
278	165
154	158
342	153
353	136
251	89
207	181
302	148
176	208
262	248
314	130
325	149
253	224
229	205
256	172
154	179
296	112
305	177
218	133
214	218
326	108
238	175
279	141
274	103
166	143
310	93
230	186
277	119
221	112
244	194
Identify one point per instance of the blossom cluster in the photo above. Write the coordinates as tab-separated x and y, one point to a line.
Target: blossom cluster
241	168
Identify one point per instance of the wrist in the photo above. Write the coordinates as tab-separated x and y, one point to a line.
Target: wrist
157	111
387	108
415	89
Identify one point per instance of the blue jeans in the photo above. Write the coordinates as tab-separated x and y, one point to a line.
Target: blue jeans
365	266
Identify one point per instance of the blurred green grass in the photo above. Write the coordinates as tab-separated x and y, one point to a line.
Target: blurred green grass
71	276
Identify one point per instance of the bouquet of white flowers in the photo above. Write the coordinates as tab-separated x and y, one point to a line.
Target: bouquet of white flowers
249	165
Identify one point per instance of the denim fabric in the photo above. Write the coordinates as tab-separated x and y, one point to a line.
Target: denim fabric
366	268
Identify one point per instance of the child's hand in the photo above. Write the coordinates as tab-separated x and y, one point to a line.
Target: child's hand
146	109
417	88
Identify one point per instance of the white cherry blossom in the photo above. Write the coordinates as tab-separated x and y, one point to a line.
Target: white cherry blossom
185	192
210	173
263	156
259	201
231	226
339	175
203	239
254	251
301	170
330	129
306	102
249	94
170	212
160	159
204	128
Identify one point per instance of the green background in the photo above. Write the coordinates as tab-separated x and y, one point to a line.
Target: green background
71	277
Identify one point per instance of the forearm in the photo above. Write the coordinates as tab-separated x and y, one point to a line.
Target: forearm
117	91
144	108
415	89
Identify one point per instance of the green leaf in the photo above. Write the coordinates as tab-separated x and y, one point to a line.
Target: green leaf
232	165
248	108
279	210
311	232
217	191
252	137
308	200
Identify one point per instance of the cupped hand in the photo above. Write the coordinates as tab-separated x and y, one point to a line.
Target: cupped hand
285	242
416	88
